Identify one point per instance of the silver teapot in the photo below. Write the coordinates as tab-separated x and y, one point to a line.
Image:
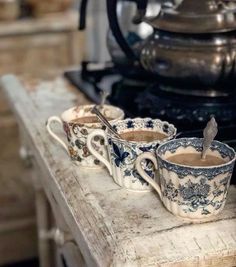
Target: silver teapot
193	44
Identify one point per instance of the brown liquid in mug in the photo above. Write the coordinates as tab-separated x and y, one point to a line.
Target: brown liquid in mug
88	119
194	159
142	136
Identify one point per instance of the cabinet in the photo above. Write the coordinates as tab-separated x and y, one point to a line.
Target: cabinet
29	47
56	244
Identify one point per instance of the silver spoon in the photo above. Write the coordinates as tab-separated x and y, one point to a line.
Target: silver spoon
209	134
105	121
104	96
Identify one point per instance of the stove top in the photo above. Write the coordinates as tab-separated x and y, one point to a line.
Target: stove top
189	113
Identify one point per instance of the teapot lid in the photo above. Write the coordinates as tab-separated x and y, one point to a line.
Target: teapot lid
196	16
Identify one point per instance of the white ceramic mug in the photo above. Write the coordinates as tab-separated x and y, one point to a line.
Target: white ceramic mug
77	132
192	192
123	154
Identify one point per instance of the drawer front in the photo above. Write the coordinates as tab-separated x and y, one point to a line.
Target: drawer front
67	251
16	194
54	232
35	53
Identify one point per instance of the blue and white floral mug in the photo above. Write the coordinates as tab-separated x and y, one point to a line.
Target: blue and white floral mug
193	192
123	153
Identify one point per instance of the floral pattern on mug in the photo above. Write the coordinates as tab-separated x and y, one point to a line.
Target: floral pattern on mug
197	196
78	148
77	132
123	154
200	191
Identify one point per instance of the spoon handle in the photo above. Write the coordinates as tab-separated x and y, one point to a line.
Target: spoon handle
104	95
209	134
104	121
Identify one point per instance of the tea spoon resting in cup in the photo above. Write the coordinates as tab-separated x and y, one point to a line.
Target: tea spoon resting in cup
104	96
104	121
209	134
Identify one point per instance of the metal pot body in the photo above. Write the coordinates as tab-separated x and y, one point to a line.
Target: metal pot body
200	61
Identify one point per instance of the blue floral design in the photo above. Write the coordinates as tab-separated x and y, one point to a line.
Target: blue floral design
194	190
149	124
165	128
225	180
146	148
195	194
135	174
169	190
130	124
119	154
184	171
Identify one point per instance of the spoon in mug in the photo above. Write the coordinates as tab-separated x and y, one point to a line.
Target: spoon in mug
104	121
209	134
104	96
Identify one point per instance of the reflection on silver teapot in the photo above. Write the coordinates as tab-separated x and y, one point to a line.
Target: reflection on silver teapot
193	43
205	60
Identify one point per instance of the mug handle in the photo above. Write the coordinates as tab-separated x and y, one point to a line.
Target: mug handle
48	126
91	149
144	175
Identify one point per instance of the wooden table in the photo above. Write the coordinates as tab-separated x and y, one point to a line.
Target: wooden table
92	215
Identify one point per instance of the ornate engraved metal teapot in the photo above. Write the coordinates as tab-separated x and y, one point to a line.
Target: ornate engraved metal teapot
193	44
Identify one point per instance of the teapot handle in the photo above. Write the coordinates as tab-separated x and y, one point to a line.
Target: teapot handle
115	28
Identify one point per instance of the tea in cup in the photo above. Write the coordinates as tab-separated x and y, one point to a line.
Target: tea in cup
195	159
191	187
78	123
137	136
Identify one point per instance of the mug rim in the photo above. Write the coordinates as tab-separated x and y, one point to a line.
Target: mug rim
122	114
196	167
168	138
